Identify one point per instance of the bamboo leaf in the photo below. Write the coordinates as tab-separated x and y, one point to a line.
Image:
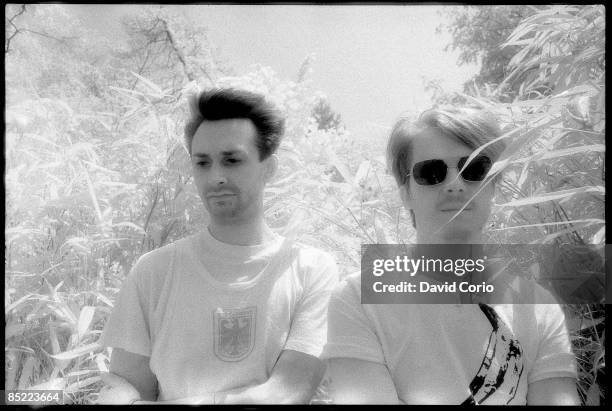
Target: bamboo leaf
11	234
13	330
600	236
85	318
10	368
26	372
18	303
93	196
63	311
381	238
546	155
81	384
523	176
100	363
342	169
52	384
154	87
60	365
127	91
130	225
103	169
552	236
593	395
68	202
79	373
41	139
584	221
365	168
80	244
77	352
557	195
55	347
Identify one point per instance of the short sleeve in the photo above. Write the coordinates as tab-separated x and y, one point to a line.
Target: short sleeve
554	357
128	325
350	332
308	332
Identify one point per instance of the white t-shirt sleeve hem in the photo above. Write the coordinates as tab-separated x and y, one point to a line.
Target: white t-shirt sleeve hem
124	345
351	348
303	347
557	366
308	332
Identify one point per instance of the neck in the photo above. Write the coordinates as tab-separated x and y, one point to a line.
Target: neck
446	238
250	233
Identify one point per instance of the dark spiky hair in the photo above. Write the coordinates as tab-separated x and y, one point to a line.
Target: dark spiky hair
229	103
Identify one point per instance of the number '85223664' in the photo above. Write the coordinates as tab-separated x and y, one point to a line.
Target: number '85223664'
40	397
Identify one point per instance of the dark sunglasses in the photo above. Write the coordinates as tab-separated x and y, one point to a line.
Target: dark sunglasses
432	172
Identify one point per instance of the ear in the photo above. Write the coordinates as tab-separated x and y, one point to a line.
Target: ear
271	167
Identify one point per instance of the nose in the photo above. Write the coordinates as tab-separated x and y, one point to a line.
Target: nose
217	177
454	184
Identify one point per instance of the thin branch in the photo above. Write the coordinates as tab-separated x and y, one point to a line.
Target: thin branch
23	9
142	66
178	52
7	46
61	40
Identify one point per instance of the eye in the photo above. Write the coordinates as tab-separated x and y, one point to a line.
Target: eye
203	163
232	161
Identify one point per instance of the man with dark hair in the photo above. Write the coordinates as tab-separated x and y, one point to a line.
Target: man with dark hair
219	104
469	354
235	313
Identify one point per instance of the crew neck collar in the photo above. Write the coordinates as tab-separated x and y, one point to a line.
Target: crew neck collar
237	254
234	251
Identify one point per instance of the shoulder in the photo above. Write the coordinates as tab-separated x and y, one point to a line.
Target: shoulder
156	263
537	307
315	266
352	281
313	256
529	291
548	311
313	260
349	288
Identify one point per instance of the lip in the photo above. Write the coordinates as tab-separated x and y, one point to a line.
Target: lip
219	195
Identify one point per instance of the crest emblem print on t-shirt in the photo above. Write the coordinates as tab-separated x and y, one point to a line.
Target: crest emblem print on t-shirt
234	332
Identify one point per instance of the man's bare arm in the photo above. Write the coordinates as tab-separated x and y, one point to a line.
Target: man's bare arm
354	381
134	368
294	379
553	391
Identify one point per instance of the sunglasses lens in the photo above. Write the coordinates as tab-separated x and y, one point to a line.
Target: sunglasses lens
477	169
430	172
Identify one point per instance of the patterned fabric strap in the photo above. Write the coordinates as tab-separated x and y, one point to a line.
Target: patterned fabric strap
502	362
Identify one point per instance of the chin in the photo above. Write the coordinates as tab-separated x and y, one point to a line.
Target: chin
458	238
221	215
461	233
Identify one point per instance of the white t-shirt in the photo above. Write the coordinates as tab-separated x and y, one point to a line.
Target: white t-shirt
205	335
452	353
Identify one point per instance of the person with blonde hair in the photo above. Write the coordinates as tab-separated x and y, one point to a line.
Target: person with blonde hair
485	353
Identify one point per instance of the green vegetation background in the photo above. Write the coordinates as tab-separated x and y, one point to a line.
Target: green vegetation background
96	173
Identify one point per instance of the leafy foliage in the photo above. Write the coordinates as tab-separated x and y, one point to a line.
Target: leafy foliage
478	32
325	117
551	99
96	173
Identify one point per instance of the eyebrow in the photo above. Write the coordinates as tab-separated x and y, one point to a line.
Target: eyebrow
224	153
